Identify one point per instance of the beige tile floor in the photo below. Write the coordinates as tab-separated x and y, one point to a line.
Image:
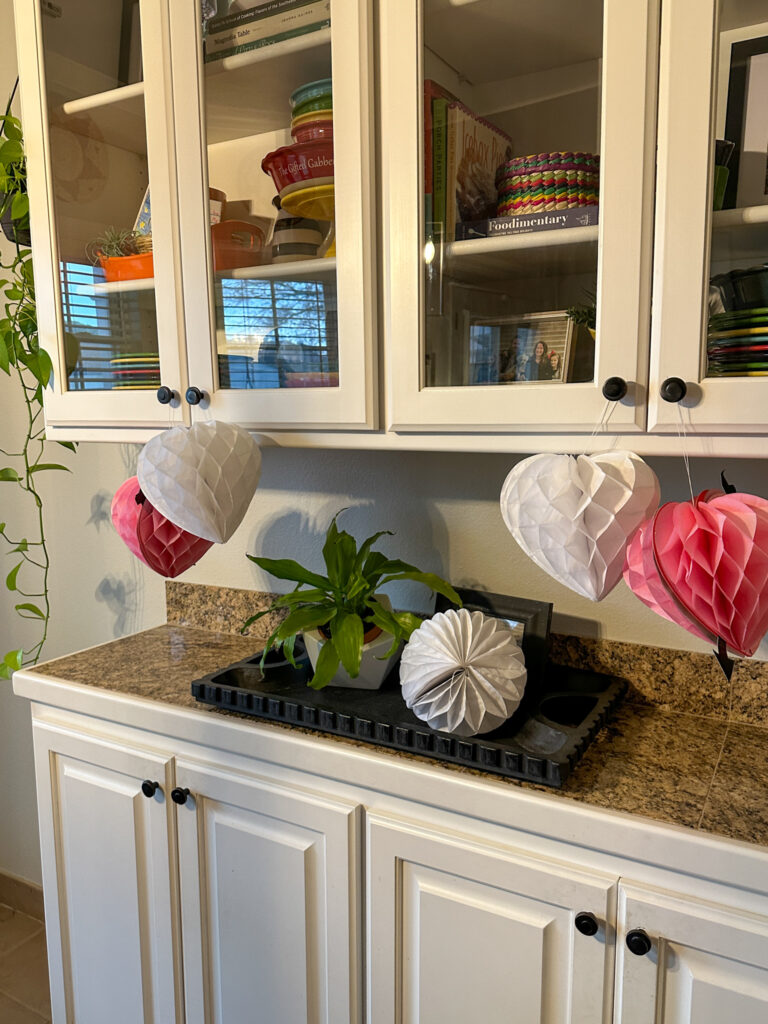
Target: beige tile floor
24	994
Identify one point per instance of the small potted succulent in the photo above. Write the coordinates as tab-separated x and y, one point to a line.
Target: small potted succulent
124	255
351	633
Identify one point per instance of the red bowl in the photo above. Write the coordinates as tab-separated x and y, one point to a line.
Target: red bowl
312	131
303	161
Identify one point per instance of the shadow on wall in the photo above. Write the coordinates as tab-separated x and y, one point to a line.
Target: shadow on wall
120	596
419	539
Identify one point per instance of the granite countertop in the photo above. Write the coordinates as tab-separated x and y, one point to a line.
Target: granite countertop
701	770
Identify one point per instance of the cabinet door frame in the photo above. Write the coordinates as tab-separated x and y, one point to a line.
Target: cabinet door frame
667	917
684	220
163	953
336	824
628	125
131	409
351	405
391	841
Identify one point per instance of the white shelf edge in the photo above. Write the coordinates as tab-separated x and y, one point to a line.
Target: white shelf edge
141	284
529	240
741	216
104	99
298	268
308	41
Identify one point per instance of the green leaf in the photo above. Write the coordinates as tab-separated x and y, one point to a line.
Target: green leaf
23	545
383	618
326	667
10	579
11	663
5	359
429	579
339	553
365	548
20	206
68	444
9	474
30	608
48	465
305	618
374	566
347	632
288	646
288	569
11	151
40	365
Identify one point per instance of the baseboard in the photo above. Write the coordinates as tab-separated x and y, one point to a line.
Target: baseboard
21	895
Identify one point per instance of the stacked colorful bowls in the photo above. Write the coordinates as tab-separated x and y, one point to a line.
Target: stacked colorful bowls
547	181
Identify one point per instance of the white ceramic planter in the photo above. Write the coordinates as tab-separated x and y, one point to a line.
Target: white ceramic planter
373	670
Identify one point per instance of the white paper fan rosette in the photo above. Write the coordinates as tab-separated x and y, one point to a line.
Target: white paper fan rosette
463	672
202	478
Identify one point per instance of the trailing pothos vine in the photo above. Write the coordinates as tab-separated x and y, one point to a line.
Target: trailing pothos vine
22	358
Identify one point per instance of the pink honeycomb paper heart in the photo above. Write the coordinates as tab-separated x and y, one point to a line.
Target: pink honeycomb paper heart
642	577
125	515
201	478
165	547
713	557
574	516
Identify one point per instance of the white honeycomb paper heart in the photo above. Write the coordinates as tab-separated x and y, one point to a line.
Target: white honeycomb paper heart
201	478
463	672
575	516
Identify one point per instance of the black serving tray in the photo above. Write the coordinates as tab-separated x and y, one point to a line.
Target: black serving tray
541	742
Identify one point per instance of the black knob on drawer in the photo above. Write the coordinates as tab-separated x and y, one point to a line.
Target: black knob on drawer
638	942
586	923
614	389
673	389
179	796
149	788
165	395
194	395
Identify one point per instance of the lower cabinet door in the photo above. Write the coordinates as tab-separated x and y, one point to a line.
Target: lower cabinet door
106	880
693	962
464	931
269	902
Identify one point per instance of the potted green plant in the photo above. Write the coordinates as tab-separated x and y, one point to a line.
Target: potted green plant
123	254
14	202
349	627
584	313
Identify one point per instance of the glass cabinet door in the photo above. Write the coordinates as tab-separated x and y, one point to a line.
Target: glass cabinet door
518	176
711	279
277	230
94	96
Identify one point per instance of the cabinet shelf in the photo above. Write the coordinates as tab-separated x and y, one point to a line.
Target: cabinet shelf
248	94
740	234
116	116
324	267
565	251
142	284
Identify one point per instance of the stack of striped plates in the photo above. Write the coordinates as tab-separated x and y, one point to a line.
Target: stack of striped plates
136	371
547	181
737	343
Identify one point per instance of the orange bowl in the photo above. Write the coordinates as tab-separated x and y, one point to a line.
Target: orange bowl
302	161
128	268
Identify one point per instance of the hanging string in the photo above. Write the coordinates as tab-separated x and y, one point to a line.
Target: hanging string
682	438
602	423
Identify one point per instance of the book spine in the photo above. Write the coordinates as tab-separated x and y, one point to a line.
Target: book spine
258	9
266	31
582	216
439	118
451	165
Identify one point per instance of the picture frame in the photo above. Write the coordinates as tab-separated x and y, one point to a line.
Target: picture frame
505	349
742	112
534	616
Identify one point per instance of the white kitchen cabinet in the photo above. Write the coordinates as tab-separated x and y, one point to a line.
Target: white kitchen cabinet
462	930
694	962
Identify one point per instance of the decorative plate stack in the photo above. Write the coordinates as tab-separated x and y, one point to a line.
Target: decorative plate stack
136	371
737	344
547	181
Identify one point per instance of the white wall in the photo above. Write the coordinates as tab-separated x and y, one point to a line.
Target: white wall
444	509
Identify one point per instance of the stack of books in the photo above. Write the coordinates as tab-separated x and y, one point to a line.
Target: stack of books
242	25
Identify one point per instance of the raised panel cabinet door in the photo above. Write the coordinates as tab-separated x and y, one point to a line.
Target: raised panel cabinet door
706	964
465	931
269	884
106	880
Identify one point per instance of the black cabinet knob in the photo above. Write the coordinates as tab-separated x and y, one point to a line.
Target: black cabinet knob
165	395
638	942
194	395
614	389
179	796
673	389
149	788
586	923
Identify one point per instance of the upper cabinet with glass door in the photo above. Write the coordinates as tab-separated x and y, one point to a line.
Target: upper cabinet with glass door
518	147
274	108
95	101
710	333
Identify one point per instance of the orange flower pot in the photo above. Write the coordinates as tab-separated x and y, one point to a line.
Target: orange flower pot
128	268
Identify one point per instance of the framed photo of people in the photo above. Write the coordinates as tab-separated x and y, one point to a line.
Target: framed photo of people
527	348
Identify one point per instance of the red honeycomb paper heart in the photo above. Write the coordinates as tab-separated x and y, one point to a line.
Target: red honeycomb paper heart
165	547
713	557
125	515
